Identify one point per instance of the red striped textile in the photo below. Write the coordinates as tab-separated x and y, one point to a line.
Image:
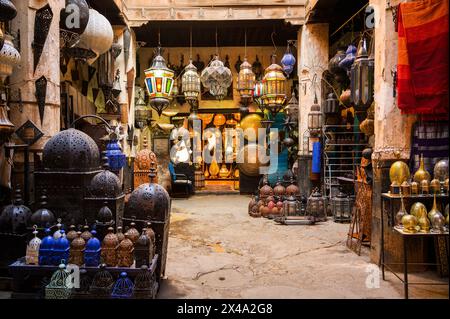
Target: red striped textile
423	53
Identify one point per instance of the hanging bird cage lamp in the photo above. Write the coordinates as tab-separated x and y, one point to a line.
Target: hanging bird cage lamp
159	82
216	78
190	84
274	92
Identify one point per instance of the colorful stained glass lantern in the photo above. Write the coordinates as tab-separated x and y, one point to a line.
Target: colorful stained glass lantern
274	93
190	84
159	82
258	92
246	81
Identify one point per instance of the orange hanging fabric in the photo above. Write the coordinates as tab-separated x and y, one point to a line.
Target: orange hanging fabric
423	52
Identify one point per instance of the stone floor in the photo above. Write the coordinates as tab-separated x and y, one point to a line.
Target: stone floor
217	251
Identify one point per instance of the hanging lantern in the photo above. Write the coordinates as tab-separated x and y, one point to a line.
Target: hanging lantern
142	114
159	82
362	78
216	78
291	109
274	94
7	10
347	62
15	218
288	61
9	58
246	81
116	158
333	65
315	119
190	84
331	105
258	92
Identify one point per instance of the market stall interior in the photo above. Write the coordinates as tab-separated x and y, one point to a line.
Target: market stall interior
282	108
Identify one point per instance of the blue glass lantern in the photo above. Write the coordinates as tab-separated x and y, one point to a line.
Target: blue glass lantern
288	61
46	249
350	57
123	288
92	251
61	250
116	159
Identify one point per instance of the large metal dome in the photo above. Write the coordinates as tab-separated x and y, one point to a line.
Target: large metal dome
71	150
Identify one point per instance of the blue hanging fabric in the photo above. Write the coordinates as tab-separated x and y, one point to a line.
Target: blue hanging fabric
316	157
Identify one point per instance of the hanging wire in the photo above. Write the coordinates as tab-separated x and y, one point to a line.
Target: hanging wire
217	44
190	50
273	42
159	36
350	19
245	40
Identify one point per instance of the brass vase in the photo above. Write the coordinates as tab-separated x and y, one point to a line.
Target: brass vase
421	174
214	169
423	221
433	210
402	212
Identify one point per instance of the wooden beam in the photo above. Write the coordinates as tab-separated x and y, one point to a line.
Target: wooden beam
138	16
209	3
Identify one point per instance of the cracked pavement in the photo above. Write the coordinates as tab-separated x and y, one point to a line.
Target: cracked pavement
216	250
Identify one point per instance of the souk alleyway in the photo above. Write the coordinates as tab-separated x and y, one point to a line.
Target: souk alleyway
217	251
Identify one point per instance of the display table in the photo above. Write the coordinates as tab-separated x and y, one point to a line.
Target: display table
29	280
406	237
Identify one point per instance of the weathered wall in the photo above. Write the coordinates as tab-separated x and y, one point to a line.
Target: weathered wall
24	76
313	44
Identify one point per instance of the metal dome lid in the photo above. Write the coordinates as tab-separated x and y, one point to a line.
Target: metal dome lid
43	217
93	243
149	200
48	241
105	184
15	217
71	150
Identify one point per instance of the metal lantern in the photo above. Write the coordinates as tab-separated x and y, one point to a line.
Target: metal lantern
159	83
142	250
144	284
46	249
15	217
274	93
102	283
32	253
341	206
246	80
77	247
116	158
92	251
190	84
288	61
9	58
362	78
292	109
316	206
109	248
142	114
125	252
60	286
290	206
315	119
61	250
216	78
331	105
123	288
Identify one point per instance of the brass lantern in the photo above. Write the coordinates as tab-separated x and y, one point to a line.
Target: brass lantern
258	92
142	250
109	248
246	81
159	82
315	119
362	77
190	84
142	114
274	93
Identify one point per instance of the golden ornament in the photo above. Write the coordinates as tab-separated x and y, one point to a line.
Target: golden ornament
409	224
421	174
399	172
